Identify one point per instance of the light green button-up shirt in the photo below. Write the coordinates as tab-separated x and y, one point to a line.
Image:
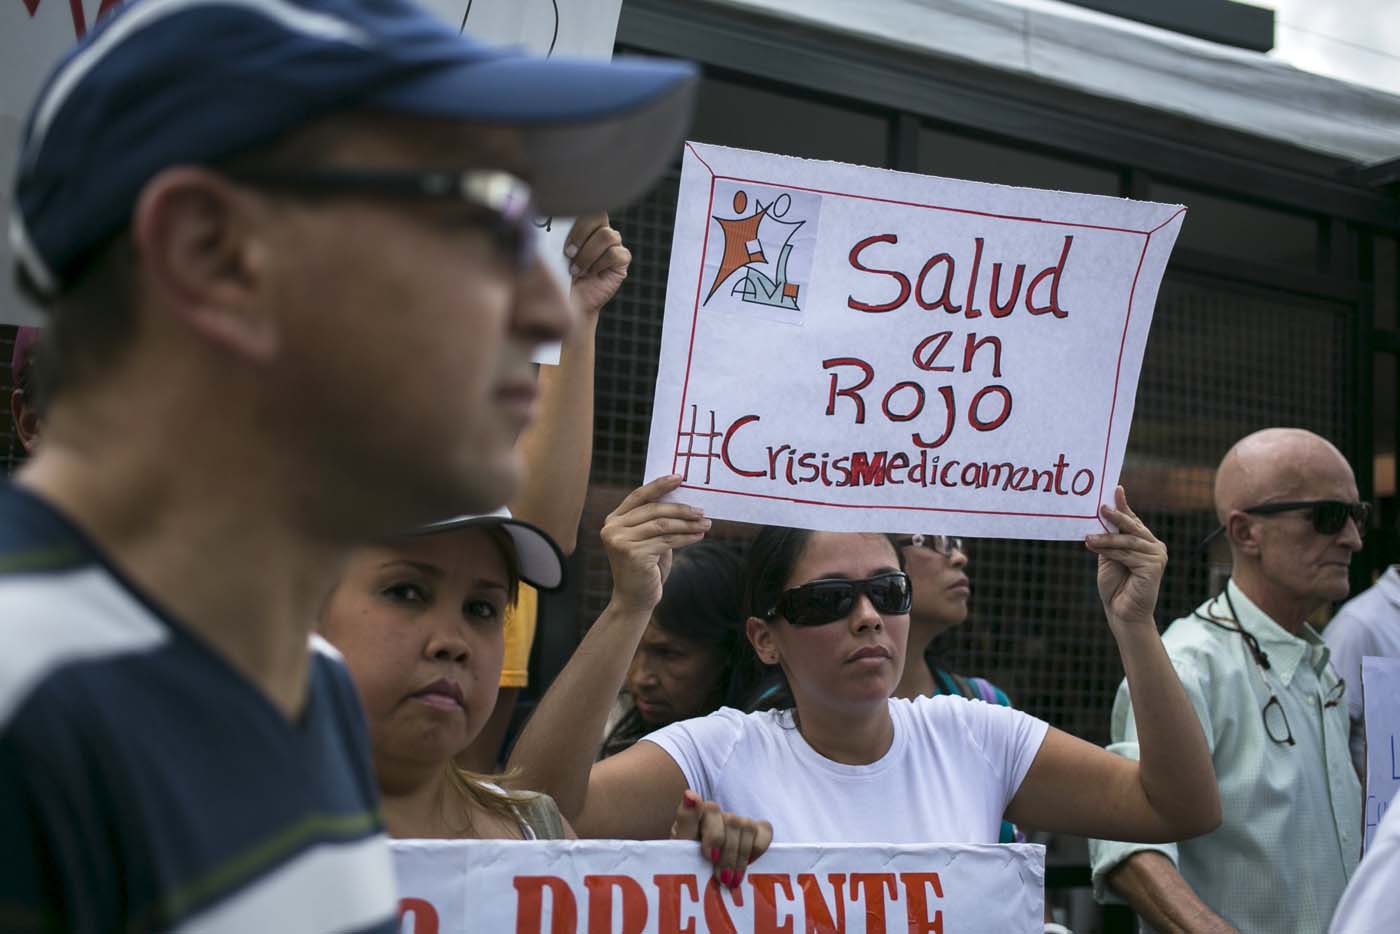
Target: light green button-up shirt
1291	833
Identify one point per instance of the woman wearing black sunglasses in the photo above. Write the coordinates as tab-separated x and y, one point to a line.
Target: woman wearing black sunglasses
847	763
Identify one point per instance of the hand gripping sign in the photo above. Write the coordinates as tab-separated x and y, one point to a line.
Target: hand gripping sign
577	29
847	348
624	887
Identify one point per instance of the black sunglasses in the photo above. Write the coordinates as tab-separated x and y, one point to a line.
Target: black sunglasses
819	602
1329	516
504	199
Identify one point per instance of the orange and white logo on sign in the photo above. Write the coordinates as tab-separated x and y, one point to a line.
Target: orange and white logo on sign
765	259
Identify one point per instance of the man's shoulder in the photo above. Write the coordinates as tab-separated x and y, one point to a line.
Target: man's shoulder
34	538
219	795
61	610
1192	639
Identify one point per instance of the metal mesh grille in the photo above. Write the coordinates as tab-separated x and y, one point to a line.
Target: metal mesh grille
1223	360
1220	363
629	344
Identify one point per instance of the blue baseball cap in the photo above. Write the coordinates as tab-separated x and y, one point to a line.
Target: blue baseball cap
170	82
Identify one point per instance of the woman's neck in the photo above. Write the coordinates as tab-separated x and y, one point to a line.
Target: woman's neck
917	679
429	806
850	737
419	805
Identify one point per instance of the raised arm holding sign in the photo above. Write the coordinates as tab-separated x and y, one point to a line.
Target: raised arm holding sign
845	762
861	350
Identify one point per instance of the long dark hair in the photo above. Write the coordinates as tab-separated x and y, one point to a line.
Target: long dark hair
772	556
699	602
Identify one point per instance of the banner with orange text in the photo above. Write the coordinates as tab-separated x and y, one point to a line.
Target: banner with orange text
625	887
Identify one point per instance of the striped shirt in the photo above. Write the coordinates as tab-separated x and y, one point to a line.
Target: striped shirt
147	786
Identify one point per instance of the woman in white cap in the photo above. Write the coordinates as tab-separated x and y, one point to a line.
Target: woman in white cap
419	621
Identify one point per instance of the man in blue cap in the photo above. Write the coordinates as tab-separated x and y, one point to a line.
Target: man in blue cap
284	247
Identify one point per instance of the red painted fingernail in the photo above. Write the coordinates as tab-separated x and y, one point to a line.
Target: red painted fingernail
738	877
714	855
727	877
690	800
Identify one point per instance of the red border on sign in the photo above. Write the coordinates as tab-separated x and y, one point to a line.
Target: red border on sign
695	318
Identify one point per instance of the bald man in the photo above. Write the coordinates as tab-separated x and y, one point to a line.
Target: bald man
1270	704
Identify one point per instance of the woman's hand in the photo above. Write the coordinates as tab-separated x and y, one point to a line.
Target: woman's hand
729	841
1131	563
597	262
640	535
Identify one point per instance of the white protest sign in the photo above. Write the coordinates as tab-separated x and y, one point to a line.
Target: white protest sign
1380	697
848	348
34	34
576	28
586	28
623	887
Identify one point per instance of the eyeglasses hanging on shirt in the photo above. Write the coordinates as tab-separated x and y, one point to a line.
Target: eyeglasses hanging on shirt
1276	725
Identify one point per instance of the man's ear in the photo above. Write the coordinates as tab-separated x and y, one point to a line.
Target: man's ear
200	249
26	419
1242	532
761	638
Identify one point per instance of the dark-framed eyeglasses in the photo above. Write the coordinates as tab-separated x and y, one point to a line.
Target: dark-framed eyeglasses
945	545
819	602
502	200
1276	722
1276	718
1328	516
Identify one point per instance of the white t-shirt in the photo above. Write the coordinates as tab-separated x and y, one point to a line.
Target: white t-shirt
950	772
1369	624
1371	903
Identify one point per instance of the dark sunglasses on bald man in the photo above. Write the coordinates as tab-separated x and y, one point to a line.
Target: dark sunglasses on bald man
819	602
1328	516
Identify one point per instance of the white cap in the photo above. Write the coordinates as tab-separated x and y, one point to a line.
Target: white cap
541	561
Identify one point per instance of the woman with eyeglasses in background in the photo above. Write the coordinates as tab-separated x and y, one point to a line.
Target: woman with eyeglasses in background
848	762
937	568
